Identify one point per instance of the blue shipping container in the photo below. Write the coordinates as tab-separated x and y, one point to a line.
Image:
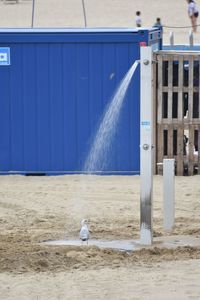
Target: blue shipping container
54	87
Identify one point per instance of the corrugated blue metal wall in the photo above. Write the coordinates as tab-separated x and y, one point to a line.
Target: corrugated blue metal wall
53	94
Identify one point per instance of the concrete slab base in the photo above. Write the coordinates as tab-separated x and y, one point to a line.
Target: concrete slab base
169	242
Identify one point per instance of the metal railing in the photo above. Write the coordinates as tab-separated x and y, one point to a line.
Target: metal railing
190	39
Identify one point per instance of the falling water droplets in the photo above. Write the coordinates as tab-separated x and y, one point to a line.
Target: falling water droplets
96	160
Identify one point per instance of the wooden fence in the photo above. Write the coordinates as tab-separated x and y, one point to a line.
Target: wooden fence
177	94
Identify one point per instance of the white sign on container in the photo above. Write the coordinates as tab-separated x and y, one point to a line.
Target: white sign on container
4	56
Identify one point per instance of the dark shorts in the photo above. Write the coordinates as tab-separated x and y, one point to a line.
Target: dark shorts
196	14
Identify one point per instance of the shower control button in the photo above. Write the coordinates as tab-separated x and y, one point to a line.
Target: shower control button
145	147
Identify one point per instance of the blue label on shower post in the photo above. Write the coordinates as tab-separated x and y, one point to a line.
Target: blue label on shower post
146	125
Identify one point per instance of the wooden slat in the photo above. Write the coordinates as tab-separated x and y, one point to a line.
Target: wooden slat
180	89
170	80
160	146
175	89
160	89
180	134
199	90
154	114
190	117
190	94
198	127
184	121
198	149
170	141
191	151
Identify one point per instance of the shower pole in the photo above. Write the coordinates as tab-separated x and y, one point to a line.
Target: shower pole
146	145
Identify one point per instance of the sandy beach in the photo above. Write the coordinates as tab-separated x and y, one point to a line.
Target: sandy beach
104	13
36	209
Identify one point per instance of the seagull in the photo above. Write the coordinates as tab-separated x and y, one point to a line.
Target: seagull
84	232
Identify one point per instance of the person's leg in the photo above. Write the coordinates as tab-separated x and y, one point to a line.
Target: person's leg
194	23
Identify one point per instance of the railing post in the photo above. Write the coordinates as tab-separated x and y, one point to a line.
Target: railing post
33	13
84	13
171	38
191	38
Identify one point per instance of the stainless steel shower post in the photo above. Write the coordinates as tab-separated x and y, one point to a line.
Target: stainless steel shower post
146	145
